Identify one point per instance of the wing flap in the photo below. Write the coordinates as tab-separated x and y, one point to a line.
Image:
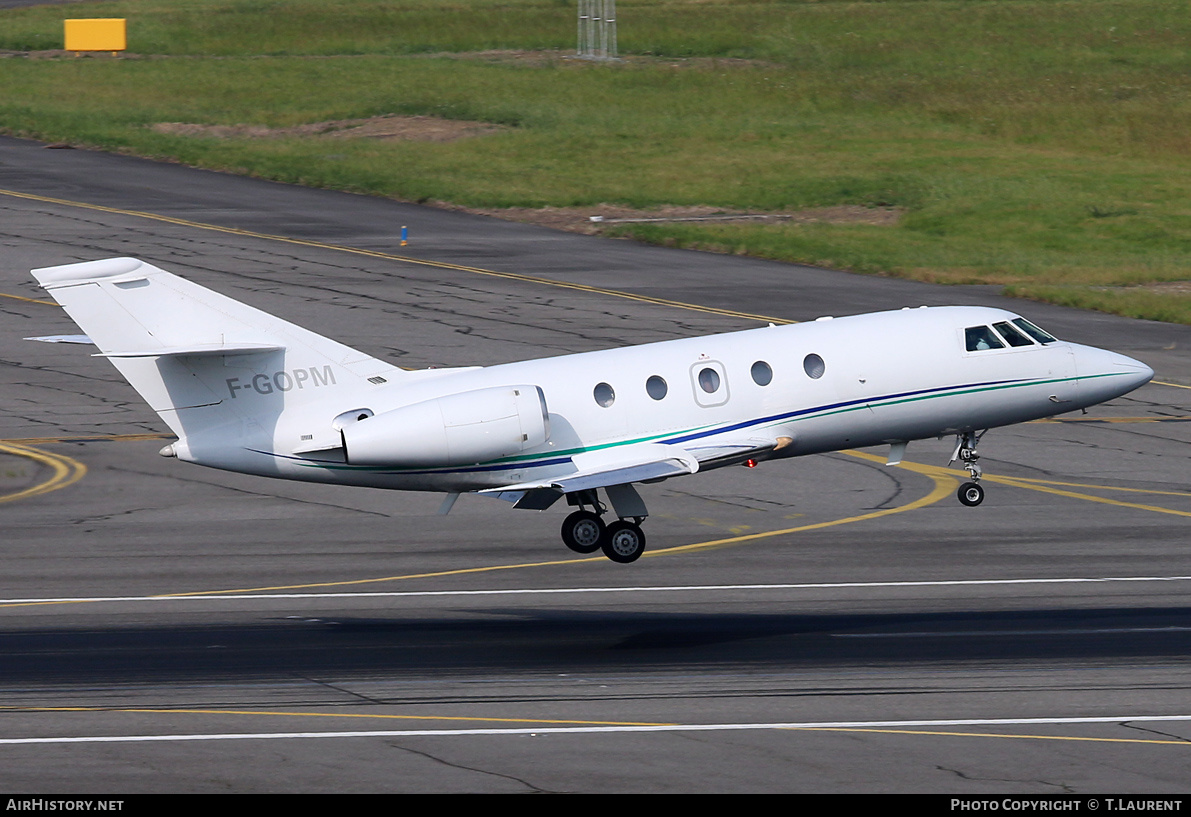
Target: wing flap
640	462
734	452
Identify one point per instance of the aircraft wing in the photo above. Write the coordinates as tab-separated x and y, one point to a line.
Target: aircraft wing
640	462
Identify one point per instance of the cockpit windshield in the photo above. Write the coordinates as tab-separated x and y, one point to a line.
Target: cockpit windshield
979	338
1002	333
1011	335
1033	331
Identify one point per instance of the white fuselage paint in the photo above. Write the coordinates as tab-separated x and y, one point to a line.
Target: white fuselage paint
888	377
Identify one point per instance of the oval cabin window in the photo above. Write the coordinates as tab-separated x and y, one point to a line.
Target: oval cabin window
762	373
604	395
814	366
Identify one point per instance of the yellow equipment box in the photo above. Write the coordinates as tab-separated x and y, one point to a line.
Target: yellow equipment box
96	35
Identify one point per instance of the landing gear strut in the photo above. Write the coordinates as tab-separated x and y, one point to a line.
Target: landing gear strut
970	493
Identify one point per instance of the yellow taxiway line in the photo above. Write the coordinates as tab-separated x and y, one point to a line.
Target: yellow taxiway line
405	259
66	471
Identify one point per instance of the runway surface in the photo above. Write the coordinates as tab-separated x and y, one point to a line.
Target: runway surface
827	624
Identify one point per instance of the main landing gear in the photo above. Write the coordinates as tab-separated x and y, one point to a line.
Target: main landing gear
582	531
622	541
970	493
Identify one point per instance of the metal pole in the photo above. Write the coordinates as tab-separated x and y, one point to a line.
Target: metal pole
610	23
597	29
585	28
600	50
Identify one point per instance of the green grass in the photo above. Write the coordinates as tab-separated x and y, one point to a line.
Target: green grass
1039	144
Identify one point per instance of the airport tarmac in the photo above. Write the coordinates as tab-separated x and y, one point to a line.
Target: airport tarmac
826	624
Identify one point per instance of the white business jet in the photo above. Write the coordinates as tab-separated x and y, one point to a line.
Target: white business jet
246	391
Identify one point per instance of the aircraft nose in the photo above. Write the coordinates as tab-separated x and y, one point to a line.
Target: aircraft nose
1139	373
1104	375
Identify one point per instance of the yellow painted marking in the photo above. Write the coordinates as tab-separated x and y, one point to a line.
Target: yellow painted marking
66	471
86	438
1112	420
513	276
1045	486
1184	494
1046	489
984	735
565	722
1175	385
27	300
945	483
380	716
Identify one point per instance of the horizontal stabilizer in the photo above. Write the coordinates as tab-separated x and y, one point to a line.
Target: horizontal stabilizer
80	339
200	350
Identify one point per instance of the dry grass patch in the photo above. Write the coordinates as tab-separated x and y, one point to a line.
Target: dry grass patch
594	220
385	128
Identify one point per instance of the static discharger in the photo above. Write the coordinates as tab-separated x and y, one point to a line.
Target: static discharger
107	34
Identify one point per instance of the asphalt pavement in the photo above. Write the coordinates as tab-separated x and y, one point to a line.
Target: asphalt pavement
826	624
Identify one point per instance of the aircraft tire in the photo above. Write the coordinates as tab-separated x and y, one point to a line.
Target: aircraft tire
583	532
624	542
970	494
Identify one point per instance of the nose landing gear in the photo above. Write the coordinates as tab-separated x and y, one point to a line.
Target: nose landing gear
970	493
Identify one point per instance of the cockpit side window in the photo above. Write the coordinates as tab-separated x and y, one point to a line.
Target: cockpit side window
1033	331
1011	335
979	338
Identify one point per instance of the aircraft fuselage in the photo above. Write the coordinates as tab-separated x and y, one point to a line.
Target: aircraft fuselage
885	378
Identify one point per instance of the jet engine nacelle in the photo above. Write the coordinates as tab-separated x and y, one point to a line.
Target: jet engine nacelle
459	429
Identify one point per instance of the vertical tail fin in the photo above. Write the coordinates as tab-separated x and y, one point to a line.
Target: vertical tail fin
198	358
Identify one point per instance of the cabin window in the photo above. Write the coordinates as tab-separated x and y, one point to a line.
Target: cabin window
814	366
979	338
1033	331
762	373
709	383
1011	335
709	380
656	387
604	395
